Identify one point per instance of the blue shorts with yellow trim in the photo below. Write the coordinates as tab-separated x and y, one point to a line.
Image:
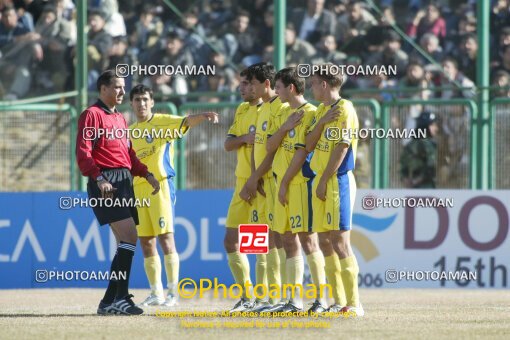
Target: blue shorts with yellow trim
336	212
296	216
158	219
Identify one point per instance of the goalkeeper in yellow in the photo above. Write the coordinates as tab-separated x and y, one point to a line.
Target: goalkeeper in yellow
332	139
155	148
292	208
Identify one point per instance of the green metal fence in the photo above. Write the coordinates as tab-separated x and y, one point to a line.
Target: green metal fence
456	142
368	165
500	139
37	143
204	163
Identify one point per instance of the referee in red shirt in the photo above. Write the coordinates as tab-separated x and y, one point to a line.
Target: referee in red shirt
106	157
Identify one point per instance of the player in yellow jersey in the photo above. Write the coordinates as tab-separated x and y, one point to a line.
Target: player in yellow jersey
153	137
240	137
261	77
332	138
292	210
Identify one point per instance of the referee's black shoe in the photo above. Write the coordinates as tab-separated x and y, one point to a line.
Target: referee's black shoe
126	306
105	308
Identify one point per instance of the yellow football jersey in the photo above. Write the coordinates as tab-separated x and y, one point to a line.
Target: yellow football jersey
153	142
245	121
293	140
342	130
265	117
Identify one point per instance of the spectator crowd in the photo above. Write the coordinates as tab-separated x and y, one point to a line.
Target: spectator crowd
38	43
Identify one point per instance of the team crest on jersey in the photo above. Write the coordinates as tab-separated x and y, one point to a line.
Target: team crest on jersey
149	139
252	128
264	126
292	133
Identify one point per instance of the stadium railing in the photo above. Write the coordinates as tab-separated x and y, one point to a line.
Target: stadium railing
500	126
457	141
204	164
37	143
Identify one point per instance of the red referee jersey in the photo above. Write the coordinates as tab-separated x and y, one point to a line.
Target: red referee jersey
102	142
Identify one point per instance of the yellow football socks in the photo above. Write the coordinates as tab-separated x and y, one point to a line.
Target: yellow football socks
261	272
273	272
295	270
172	272
333	270
152	267
283	269
316	265
240	268
349	274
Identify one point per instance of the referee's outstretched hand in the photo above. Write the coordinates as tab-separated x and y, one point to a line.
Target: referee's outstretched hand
154	183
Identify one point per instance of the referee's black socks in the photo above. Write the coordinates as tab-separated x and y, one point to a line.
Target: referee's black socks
111	291
125	253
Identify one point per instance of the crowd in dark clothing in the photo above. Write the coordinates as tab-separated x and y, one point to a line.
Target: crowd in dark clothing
38	42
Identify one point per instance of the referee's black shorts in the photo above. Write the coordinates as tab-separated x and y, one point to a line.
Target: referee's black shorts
121	180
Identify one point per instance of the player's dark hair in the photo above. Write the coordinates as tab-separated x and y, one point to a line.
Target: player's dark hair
105	79
355	3
290	26
261	72
326	73
193	11
423	122
451	60
140	89
414	62
435	4
468	36
289	76
242	13
147	9
7	9
173	36
246	73
501	74
505	31
99	13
